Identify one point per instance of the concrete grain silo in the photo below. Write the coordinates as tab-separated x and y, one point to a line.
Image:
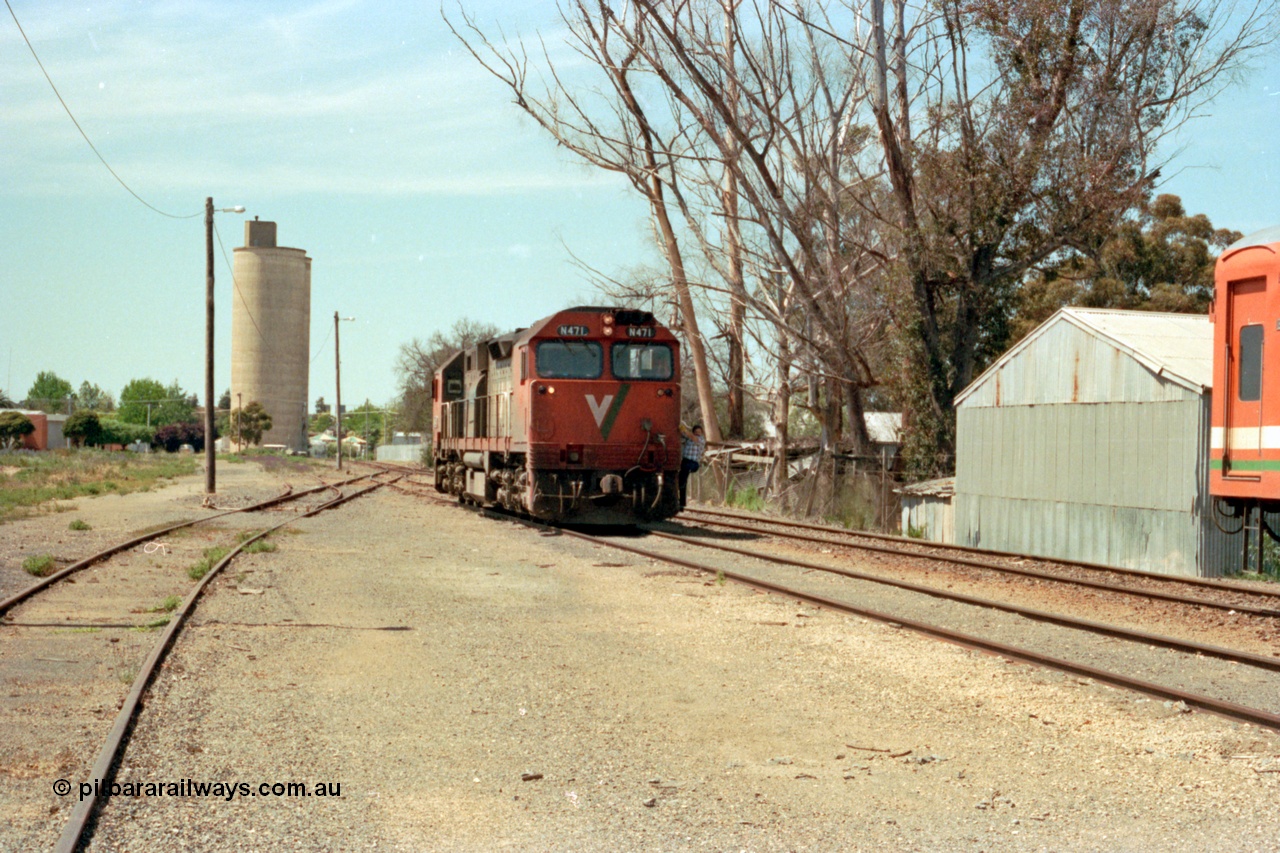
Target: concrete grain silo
271	332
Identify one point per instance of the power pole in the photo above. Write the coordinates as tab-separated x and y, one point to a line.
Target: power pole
337	381
210	478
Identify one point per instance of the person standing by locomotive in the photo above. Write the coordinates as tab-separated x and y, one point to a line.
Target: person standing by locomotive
694	445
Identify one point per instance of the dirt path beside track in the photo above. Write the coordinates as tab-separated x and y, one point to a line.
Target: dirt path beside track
473	685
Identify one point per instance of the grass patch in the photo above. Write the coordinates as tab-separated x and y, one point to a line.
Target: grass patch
169	605
1252	576
748	498
40	565
155	624
262	546
63	475
79	524
274	463
212	556
128	674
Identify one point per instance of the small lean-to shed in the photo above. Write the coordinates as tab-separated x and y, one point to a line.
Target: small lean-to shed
1089	440
928	511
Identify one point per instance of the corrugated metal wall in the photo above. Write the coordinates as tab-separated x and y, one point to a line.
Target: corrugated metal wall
1075	449
931	516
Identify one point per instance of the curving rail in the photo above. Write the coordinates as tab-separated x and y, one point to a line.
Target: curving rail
75	832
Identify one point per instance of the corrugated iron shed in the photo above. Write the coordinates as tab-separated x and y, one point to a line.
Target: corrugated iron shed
927	510
1089	440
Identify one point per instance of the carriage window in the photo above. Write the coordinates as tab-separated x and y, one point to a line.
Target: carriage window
1249	381
569	360
641	361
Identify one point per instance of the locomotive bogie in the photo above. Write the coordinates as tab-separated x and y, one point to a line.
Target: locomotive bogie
574	419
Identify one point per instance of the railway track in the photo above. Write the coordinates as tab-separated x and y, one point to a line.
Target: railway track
1232	683
78	827
1211	594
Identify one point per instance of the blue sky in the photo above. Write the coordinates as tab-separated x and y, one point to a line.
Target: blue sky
377	145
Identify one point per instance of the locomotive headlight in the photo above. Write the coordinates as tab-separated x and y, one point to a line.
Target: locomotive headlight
607	319
551	389
607	331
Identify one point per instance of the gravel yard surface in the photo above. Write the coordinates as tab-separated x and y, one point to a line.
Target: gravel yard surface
473	685
1211	676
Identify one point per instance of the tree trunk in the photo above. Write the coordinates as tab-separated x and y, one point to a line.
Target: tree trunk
688	319
733	244
779	478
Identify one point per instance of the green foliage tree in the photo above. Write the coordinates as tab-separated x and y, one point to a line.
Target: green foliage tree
5	400
49	393
367	422
1160	260
320	422
146	401
13	426
83	428
248	424
90	396
116	431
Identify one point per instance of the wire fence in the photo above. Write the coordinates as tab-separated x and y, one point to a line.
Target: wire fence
858	492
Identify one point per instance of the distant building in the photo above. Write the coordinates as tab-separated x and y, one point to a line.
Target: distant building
271	332
1089	440
48	430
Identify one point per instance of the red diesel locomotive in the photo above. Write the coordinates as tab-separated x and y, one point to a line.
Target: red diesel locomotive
574	419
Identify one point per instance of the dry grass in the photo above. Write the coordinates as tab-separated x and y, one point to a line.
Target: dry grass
32	482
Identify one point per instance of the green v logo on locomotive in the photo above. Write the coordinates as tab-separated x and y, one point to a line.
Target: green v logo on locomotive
606	409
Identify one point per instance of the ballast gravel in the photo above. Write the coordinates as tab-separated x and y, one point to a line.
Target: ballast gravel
473	685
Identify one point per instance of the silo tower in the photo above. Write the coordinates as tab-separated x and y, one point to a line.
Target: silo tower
271	332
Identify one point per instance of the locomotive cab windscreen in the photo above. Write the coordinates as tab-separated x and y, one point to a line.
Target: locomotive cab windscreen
569	359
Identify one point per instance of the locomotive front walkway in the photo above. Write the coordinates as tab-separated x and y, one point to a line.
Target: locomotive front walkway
474	685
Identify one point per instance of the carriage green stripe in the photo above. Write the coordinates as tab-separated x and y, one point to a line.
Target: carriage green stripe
1248	465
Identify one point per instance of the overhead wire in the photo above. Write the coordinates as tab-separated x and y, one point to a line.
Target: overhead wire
87	140
236	284
320	349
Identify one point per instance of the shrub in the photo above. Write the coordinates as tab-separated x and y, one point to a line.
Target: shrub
118	432
172	436
13	426
40	565
83	428
79	524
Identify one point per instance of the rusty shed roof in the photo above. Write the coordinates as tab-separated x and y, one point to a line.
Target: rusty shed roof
1176	347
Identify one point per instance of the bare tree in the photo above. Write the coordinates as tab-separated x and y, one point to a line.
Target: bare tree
780	118
614	132
418	361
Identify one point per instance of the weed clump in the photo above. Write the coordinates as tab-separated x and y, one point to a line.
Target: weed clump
39	565
212	556
79	524
169	605
261	546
